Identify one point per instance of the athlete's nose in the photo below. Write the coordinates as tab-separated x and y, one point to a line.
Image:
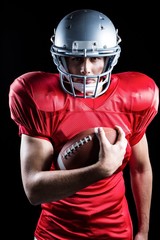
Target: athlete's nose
85	67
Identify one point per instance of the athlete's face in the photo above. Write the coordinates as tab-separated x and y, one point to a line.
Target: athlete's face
85	66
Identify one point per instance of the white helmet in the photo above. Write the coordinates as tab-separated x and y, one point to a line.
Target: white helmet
85	33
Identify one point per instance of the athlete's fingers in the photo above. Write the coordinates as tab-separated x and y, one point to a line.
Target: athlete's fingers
100	133
121	139
120	133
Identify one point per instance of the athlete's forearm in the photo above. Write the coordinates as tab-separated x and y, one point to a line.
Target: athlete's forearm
50	186
142	192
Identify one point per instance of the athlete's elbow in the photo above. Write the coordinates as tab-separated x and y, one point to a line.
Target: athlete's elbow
32	191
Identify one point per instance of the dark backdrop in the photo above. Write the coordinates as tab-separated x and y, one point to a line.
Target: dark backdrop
26	28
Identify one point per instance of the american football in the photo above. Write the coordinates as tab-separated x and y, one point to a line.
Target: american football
83	149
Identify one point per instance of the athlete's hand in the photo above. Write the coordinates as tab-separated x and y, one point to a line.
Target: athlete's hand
141	236
111	155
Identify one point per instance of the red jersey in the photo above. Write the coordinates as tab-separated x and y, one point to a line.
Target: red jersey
41	108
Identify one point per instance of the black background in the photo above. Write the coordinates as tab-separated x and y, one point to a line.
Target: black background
26	28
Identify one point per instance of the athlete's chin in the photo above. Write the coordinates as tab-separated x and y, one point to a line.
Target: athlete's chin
86	93
92	93
89	93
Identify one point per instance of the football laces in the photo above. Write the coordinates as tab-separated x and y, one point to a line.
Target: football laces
74	147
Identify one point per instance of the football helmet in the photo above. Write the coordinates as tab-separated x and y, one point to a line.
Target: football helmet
85	33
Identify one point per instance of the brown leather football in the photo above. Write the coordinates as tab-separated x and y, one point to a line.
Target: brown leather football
83	149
